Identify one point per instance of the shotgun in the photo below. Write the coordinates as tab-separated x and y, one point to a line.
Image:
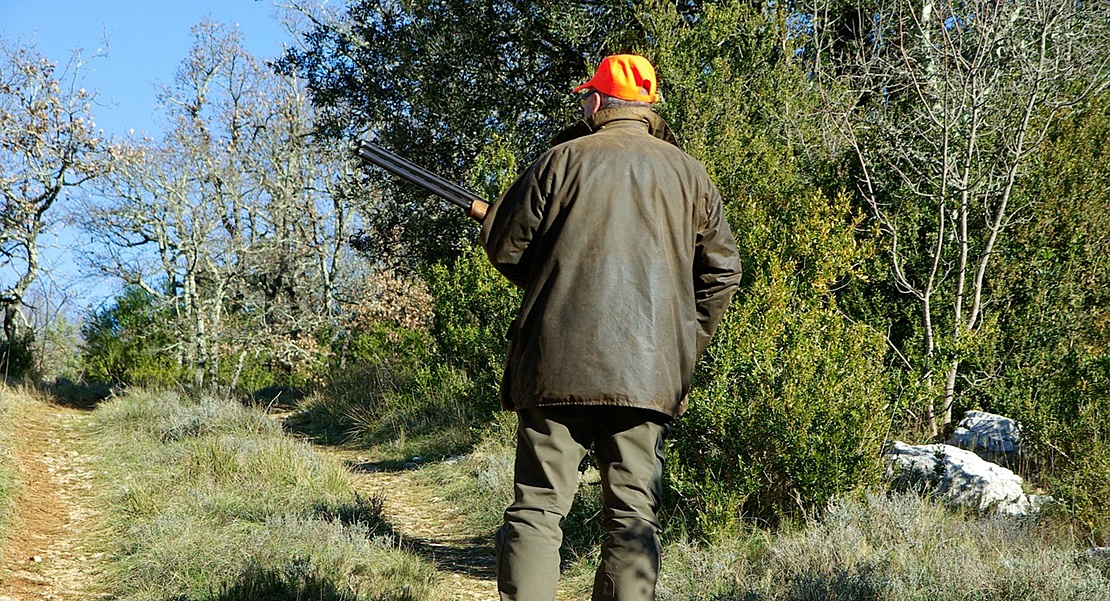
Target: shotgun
457	195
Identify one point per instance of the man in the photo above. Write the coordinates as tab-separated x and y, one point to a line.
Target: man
627	264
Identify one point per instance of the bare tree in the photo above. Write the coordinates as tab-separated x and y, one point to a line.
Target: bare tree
236	218
48	145
56	339
943	105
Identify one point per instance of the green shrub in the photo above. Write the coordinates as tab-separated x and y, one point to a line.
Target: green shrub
410	392
17	356
387	388
436	403
1064	409
788	405
792	414
1052	371
473	305
127	341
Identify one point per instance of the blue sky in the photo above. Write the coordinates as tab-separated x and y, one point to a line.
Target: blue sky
146	40
142	43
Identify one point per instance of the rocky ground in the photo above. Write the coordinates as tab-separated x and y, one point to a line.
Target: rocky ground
49	555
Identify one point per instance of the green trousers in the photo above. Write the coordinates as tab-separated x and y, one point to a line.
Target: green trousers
551	443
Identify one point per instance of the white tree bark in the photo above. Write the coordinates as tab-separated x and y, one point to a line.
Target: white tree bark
234	219
950	103
48	145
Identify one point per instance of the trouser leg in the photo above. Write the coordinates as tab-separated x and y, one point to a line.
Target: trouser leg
630	458
546	475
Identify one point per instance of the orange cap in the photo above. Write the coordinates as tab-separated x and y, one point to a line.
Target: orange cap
624	76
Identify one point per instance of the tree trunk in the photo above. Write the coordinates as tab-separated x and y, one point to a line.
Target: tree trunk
950	391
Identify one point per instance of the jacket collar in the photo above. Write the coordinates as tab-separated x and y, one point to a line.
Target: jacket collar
655	124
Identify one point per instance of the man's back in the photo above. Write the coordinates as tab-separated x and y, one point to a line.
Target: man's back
606	233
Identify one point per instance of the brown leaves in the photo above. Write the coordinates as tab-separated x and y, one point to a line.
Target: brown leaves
48	144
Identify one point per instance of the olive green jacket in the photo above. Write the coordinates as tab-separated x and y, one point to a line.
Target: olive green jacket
627	263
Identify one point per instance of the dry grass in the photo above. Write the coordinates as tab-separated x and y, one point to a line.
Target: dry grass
428	413
210	500
884	547
868	547
11	401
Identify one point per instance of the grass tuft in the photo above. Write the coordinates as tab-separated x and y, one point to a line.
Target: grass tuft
428	413
11	402
881	547
209	500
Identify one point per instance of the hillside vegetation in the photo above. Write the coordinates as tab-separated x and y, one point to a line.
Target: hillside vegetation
10	404
918	196
210	500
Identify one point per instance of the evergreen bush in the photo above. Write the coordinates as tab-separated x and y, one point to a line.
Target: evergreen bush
17	357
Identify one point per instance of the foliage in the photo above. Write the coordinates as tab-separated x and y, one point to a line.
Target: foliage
1053	362
427	391
133	341
17	357
207	499
235	220
438	81
473	307
942	107
422	392
390	389
788	407
57	344
127	342
48	146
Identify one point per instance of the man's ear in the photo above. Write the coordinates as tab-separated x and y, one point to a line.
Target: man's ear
593	104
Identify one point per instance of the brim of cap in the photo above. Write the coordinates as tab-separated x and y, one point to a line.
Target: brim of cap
582	87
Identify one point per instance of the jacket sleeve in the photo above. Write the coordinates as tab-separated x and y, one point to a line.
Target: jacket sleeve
716	270
511	223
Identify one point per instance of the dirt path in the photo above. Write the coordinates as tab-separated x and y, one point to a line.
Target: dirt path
428	526
46	555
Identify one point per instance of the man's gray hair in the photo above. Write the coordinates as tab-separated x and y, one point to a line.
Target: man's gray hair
610	102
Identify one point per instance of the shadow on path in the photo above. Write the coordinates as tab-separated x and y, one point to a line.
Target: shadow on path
471	557
428	526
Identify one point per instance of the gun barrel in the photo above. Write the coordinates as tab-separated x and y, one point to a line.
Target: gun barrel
419	176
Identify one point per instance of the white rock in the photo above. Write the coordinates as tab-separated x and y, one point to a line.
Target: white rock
1098	553
983	432
958	477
